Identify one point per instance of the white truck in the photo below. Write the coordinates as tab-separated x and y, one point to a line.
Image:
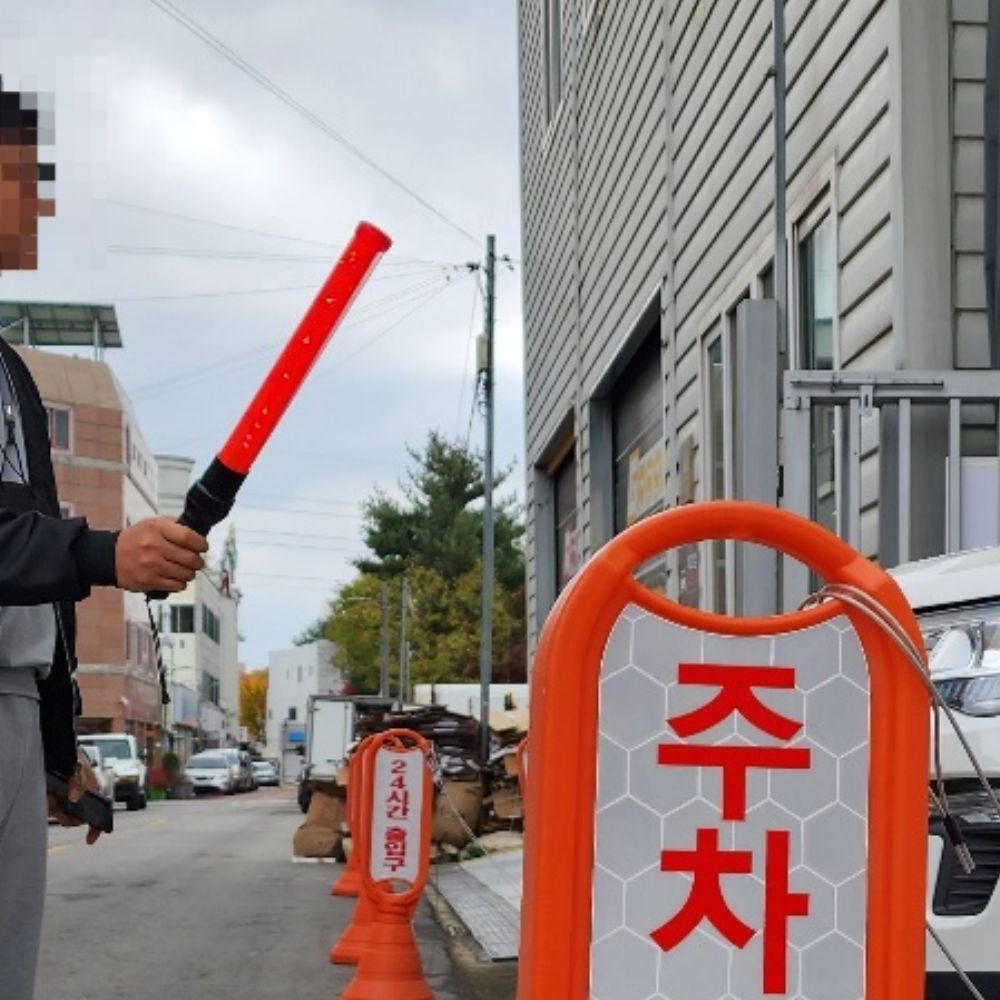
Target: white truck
331	729
121	752
330	724
957	602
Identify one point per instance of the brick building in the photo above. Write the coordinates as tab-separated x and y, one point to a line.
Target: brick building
104	472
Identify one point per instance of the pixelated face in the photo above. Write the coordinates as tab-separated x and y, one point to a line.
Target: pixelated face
20	207
20	204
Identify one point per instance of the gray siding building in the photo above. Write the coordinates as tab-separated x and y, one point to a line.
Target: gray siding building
647	158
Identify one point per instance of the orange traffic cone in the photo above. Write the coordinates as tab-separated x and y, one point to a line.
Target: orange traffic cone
349	883
347	949
389	968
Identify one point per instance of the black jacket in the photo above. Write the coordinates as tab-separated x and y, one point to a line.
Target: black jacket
47	559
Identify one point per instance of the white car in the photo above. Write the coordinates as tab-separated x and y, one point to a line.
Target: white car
265	773
210	771
957	602
121	751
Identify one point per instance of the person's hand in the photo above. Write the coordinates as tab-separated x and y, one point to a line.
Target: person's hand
158	554
81	781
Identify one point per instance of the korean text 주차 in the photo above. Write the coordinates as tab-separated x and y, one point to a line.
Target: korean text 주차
705	861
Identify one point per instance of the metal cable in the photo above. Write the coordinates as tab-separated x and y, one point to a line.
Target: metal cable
959	971
878	613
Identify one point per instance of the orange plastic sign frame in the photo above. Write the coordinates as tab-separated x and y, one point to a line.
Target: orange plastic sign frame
560	837
381	892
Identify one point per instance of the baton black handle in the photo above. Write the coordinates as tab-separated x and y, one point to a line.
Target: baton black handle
208	501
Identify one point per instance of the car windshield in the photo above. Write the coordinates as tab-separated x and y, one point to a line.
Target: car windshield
262	765
207	762
119	749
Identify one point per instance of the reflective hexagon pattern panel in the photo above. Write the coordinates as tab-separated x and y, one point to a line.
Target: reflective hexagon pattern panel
731	833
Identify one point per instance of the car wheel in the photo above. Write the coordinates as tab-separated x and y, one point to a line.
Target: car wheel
132	803
142	800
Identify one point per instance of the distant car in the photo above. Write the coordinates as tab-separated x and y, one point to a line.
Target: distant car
265	773
103	771
237	769
211	771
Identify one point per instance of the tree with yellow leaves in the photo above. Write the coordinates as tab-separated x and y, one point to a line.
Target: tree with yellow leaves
253	704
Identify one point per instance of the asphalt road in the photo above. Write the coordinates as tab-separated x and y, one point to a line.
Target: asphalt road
201	901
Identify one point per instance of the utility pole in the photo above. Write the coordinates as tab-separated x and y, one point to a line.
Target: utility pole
404	648
486	641
383	680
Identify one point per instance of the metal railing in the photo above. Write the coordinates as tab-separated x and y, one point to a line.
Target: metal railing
923	421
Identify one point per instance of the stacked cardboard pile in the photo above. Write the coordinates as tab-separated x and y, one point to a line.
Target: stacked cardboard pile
322	833
455	738
504	808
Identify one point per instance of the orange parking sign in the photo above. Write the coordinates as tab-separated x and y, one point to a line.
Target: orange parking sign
748	811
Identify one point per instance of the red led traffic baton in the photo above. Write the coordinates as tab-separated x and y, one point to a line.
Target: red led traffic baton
211	497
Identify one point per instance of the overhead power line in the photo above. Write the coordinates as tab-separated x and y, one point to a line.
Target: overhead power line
311	546
296	510
248	230
212	295
419	292
190	24
325	501
467	368
292	576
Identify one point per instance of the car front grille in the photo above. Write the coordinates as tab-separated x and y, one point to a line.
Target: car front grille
957	894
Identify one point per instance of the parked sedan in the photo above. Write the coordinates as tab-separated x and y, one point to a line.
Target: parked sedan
210	772
265	773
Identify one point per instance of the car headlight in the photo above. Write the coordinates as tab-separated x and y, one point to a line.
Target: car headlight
964	659
972	695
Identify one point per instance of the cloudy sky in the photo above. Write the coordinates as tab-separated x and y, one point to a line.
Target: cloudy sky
209	211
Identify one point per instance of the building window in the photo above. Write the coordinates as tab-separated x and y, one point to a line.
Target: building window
210	688
181	617
568	547
299	678
292	713
817	296
59	421
552	49
210	623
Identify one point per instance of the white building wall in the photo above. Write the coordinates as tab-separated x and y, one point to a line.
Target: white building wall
193	656
292	676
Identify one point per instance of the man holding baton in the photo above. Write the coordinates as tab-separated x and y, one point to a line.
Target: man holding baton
47	563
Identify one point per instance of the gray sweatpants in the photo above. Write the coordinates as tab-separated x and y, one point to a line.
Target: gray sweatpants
23	845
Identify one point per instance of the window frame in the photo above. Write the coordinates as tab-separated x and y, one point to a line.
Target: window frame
51	409
807	222
175	619
821	206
